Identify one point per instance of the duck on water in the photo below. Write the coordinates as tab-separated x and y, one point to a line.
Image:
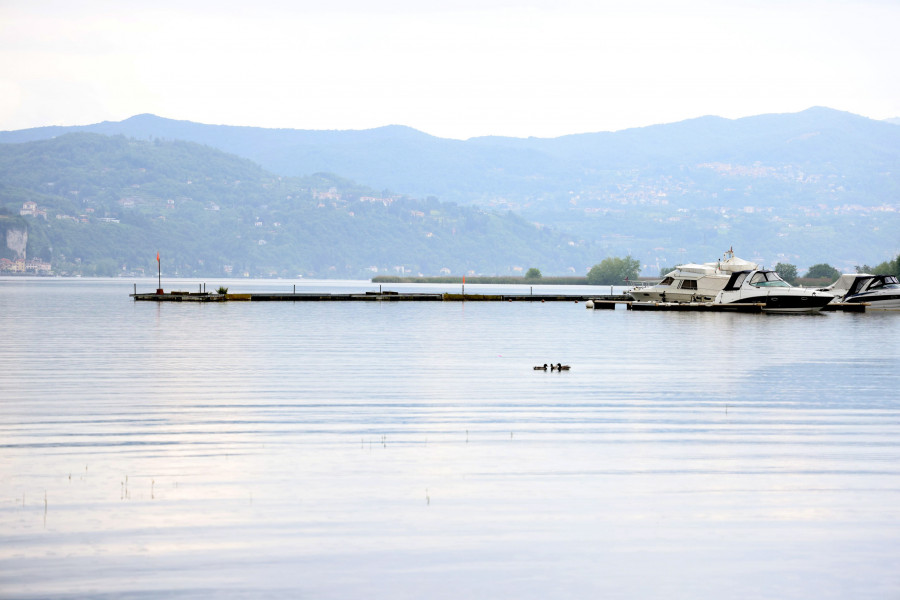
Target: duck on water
556	367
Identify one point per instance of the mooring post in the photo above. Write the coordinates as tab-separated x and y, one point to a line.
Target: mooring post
135	289
295	288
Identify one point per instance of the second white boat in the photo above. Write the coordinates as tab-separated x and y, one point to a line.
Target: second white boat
879	292
693	282
761	286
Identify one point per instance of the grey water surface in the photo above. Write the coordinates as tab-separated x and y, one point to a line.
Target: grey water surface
409	450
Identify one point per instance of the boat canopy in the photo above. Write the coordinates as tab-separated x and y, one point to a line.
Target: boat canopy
737	278
721	266
848	283
735	264
726	265
856	283
884	281
760	278
695	269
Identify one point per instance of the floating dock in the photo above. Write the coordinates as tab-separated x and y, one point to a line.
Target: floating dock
385	296
681	306
750	307
607	302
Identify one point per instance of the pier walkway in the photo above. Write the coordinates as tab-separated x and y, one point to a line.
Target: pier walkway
386	296
593	301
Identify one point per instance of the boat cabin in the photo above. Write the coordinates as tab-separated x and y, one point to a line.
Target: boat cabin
757	279
872	283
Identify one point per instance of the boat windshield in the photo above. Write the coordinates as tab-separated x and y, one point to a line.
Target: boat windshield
768	279
738	281
889	283
666	281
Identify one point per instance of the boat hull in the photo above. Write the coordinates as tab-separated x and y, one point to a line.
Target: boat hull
876	301
673	295
786	303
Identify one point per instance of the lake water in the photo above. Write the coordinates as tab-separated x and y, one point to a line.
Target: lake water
409	450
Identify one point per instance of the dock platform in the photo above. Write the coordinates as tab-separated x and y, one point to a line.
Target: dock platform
181	297
385	296
607	302
709	306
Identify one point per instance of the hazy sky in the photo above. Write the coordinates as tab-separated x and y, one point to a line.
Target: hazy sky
452	69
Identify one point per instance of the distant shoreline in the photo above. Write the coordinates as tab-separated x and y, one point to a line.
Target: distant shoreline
490	280
801	281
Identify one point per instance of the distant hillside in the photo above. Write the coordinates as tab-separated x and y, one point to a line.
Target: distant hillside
816	186
13	236
105	205
818	143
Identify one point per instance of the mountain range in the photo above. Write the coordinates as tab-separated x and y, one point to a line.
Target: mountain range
816	186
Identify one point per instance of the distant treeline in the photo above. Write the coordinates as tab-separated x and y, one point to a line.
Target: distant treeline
491	280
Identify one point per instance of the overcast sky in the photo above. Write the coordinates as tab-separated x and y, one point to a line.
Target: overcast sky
452	69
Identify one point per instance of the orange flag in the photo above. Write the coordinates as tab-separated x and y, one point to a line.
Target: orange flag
157	256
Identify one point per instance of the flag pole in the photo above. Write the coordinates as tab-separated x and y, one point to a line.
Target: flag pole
158	274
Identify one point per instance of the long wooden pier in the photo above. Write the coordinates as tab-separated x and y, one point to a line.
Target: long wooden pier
380	296
607	302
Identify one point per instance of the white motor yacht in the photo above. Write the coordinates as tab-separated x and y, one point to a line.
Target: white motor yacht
766	287
880	292
693	282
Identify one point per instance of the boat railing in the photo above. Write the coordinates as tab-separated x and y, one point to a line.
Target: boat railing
638	284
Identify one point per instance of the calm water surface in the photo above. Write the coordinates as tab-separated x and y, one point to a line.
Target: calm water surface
409	450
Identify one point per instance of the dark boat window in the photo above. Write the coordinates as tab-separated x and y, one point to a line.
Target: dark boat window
738	281
858	284
666	281
689	284
888	282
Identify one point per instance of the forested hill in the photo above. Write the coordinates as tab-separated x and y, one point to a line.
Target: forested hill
816	186
105	205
